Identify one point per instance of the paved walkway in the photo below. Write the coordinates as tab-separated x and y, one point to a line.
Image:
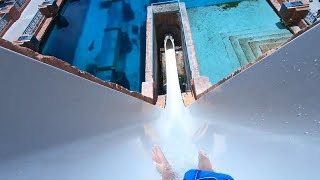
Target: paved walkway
20	25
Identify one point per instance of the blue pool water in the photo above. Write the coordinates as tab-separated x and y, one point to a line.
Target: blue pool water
107	38
226	39
101	34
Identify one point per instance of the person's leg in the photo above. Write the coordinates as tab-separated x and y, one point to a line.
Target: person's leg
205	170
204	162
162	163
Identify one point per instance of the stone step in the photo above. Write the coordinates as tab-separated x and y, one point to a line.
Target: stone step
234	50
264	30
233	46
246	56
244	43
256	45
229	48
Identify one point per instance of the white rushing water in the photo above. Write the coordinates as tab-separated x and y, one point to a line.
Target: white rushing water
174	100
176	128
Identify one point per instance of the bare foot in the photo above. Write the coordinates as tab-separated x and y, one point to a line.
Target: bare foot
204	162
162	163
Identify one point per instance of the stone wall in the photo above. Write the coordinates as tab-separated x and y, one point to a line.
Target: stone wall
199	84
148	87
53	61
189	41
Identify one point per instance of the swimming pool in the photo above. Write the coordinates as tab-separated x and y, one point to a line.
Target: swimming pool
104	38
107	38
227	37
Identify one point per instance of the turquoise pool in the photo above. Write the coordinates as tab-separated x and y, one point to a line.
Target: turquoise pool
107	38
227	38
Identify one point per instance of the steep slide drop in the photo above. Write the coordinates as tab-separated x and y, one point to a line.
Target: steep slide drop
174	99
176	128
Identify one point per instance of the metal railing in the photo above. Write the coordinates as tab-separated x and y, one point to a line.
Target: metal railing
33	25
19	3
4	21
185	42
310	18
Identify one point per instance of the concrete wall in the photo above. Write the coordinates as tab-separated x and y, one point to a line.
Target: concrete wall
265	122
42	106
165	23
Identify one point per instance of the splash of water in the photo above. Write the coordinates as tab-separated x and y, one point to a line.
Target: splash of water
176	115
174	100
176	129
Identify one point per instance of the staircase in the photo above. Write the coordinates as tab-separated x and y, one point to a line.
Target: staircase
248	45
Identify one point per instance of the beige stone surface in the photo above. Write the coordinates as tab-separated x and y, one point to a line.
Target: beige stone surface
188	98
162	8
161	102
59	2
302	31
190	46
43	28
277	4
149	42
147	89
302	24
200	85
